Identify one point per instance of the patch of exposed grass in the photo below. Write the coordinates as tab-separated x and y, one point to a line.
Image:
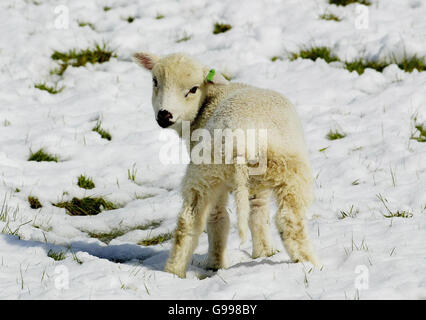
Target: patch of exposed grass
314	53
52	90
393	214
131	173
102	132
399	214
34	202
75	258
329	17
410	63
107	8
86	24
86	206
156	240
420	134
351	213
359	65
85	182
159	16
106	237
346	2
79	58
183	39
6	210
57	256
42	155
130	19
221	28
275	58
406	63
334	135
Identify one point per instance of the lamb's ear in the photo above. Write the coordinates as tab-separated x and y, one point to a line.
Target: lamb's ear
145	60
213	76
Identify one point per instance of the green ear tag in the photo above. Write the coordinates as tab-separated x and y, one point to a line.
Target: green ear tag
210	75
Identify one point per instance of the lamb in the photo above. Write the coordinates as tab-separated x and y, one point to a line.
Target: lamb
184	90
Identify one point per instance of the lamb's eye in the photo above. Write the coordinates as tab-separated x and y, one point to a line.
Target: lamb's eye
193	89
155	82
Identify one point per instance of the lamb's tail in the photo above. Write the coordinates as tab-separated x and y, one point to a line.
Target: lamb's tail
242	199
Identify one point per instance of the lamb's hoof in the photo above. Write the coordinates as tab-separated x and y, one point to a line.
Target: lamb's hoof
215	266
179	273
308	259
264	253
214	269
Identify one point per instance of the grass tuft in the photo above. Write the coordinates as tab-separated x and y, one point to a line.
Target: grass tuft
393	214
314	53
275	58
359	65
131	173
86	206
79	58
406	63
75	258
221	28
41	155
329	17
419	136
45	87
34	202
102	132
334	135
159	16
183	39
411	63
130	19
156	240
85	183
106	237
346	2
107	8
351	213
57	256
86	24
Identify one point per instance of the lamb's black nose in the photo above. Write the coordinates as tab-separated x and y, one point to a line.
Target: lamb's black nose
164	118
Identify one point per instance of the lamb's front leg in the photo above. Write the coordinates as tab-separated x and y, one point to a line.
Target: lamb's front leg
190	224
218	229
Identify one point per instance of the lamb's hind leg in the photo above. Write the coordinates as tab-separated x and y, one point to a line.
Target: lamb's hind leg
259	224
218	229
291	225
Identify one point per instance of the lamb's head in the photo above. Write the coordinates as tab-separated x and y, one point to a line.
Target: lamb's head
179	86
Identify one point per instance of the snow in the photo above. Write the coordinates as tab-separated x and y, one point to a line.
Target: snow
375	110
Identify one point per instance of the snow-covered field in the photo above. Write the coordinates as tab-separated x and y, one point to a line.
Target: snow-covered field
366	256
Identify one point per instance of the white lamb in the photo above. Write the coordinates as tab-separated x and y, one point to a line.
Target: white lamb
184	90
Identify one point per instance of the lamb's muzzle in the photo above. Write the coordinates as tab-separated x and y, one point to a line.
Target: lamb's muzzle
164	118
